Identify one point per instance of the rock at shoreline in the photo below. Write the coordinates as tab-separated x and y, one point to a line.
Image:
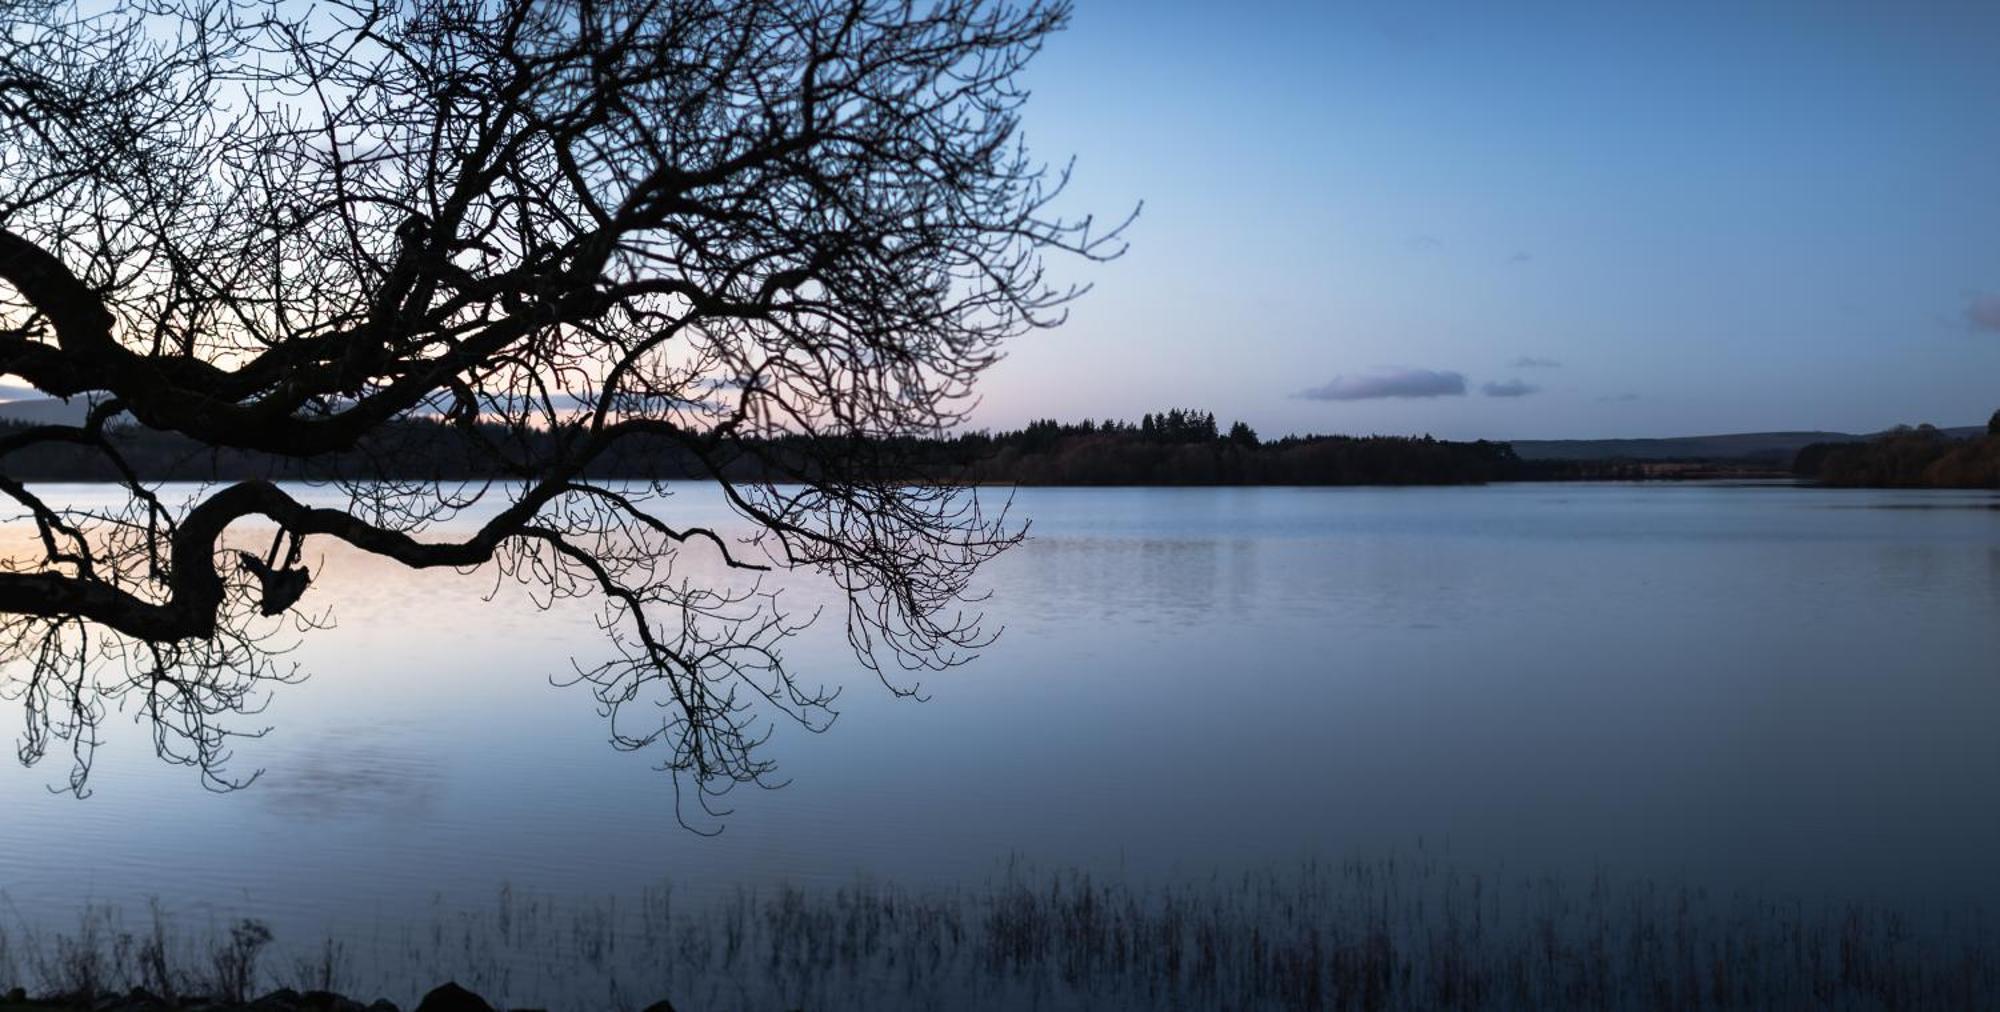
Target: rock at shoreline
449	997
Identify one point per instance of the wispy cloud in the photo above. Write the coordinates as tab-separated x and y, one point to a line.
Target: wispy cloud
1618	398
1390	383
1508	388
1984	313
1533	362
1520	256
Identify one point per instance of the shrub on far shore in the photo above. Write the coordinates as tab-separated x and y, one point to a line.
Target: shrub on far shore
1923	457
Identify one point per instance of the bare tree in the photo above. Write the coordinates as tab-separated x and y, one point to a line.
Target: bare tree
779	237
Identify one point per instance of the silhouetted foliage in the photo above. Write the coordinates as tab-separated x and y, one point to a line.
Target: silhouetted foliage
1045	452
758	243
1182	447
1921	457
1178	426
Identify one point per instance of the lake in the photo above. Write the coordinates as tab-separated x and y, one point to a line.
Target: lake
1782	691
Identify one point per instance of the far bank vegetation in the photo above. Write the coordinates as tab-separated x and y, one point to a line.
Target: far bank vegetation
1919	457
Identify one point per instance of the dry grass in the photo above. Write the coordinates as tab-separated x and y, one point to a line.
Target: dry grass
1366	935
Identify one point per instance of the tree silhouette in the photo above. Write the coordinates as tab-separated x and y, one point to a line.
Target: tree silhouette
789	232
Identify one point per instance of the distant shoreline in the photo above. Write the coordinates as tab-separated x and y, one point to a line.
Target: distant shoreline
1171	449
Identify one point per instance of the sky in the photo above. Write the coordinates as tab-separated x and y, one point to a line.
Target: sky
1526	220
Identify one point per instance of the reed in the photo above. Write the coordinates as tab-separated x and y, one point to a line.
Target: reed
1385	934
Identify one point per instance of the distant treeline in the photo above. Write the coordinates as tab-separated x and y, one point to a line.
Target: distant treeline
417	450
1182	447
1921	457
1175	447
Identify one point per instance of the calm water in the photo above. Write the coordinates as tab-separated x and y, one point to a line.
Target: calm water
1784	690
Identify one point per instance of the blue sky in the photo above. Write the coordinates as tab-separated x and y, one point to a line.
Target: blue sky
1592	219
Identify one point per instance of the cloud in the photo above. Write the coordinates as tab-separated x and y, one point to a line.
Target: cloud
1532	362
1390	383
1427	242
1508	388
1520	256
1984	313
1625	398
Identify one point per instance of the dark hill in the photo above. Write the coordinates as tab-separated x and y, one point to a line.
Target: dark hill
1776	447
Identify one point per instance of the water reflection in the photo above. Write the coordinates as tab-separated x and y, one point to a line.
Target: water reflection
1142	580
1732	687
354	772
